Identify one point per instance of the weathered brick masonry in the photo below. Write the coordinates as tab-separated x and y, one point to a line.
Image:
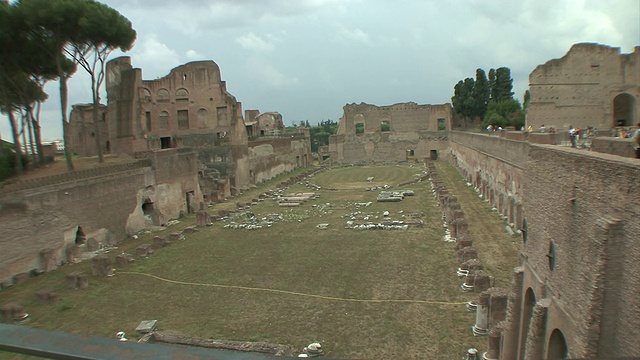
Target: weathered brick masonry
575	291
43	222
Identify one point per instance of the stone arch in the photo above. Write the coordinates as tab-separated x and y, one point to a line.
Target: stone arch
162	93
182	93
623	106
145	94
149	211
557	348
527	314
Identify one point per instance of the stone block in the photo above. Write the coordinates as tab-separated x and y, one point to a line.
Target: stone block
144	250
77	280
13	311
101	265
190	230
147	326
46	296
123	259
160	242
176	236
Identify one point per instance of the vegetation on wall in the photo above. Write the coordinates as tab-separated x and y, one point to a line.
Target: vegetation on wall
489	99
320	134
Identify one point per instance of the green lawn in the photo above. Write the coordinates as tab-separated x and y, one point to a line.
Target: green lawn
291	283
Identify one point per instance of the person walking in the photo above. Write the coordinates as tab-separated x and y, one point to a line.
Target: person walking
636	141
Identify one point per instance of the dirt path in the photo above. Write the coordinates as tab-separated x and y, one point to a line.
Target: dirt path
496	249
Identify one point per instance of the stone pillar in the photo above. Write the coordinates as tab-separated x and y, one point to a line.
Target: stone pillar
493	344
463	241
203	219
481	281
481	327
498	308
518	216
512	323
467	253
533	349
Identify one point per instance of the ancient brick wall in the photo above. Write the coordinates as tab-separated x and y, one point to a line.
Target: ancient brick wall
587	205
400	132
495	166
82	130
269	158
44	215
591	85
46	218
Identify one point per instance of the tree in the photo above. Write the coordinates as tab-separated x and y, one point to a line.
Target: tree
10	74
504	113
83	31
104	30
492	82
462	100
481	94
503	85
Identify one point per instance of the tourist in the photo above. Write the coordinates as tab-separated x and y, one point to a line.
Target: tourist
636	141
490	128
572	136
530	129
542	129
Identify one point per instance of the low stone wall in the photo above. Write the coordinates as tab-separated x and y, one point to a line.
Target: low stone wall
614	146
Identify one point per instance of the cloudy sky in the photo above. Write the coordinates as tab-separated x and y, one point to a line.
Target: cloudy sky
308	58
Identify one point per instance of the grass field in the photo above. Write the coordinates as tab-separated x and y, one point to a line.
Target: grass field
365	294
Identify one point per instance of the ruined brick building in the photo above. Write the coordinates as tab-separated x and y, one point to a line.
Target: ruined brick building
191	108
592	85
81	131
400	132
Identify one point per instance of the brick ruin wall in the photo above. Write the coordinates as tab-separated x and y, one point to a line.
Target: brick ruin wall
586	203
43	219
494	166
270	158
591	85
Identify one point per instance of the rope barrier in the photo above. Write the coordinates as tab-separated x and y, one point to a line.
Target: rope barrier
293	292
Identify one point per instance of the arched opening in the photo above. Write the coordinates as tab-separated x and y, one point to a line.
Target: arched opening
527	312
557	346
149	211
81	238
147	207
623	106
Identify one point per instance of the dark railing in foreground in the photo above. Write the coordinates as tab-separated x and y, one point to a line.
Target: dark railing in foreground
59	345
